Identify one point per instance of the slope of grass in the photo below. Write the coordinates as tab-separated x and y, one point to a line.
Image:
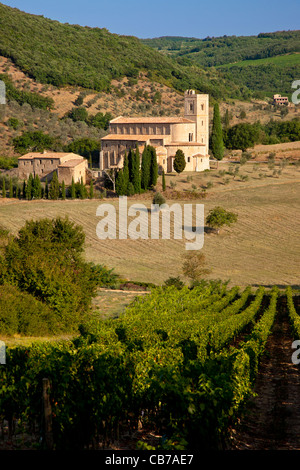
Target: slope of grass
261	248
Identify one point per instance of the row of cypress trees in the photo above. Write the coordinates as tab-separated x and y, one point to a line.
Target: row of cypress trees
34	189
138	173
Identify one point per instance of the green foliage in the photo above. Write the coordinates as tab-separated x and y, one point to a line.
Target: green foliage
7	163
258	65
218	217
158	199
63	54
153	167
54	187
45	261
20	96
21	313
179	161
35	141
163	180
217	144
246	135
166	375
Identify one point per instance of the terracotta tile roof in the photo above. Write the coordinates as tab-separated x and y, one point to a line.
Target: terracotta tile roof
176	144
52	155
71	163
139	137
150	120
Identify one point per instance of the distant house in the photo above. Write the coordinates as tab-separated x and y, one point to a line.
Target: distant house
280	100
66	165
189	133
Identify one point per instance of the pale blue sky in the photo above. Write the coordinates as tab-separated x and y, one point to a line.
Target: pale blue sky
192	18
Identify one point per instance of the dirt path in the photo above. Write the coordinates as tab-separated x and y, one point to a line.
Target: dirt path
272	418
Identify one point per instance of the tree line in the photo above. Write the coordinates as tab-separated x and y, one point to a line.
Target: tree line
245	135
139	173
33	188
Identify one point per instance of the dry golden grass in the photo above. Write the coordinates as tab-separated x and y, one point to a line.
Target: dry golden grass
261	248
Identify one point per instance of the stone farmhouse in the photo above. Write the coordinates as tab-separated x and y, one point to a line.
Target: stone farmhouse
67	166
189	133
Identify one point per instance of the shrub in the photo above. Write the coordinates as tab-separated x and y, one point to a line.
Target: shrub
158	199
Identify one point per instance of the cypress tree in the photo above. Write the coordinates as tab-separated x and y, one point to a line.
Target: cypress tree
136	171
179	161
46	189
163	181
131	165
217	144
54	187
145	168
11	189
153	167
24	190
125	171
36	188
73	189
121	189
82	190
29	189
91	193
63	190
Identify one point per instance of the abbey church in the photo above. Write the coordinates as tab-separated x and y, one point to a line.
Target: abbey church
189	133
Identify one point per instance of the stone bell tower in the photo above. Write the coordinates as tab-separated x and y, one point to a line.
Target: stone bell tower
196	108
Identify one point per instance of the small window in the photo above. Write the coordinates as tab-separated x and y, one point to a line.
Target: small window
189	159
190	137
202	107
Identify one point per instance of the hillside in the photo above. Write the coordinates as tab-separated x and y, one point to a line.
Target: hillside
265	64
62	54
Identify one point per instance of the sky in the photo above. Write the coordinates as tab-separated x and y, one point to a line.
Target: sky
191	18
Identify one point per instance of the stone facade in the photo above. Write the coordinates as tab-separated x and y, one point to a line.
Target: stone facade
167	134
66	165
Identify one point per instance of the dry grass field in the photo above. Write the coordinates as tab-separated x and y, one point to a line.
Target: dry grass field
261	248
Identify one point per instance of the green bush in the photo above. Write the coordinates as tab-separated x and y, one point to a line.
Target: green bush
21	313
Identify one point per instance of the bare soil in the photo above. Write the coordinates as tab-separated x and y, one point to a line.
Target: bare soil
272	418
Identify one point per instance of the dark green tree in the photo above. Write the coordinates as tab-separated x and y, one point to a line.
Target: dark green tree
46	189
163	181
125	171
217	143
63	190
73	189
11	189
54	187
179	161
153	167
145	168
29	188
121	188
91	191
36	188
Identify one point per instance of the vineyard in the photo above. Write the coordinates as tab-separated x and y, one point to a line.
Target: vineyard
178	364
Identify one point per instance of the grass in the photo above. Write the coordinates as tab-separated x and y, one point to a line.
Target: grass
282	61
262	248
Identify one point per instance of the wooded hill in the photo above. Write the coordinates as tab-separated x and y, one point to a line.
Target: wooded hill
266	63
63	54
